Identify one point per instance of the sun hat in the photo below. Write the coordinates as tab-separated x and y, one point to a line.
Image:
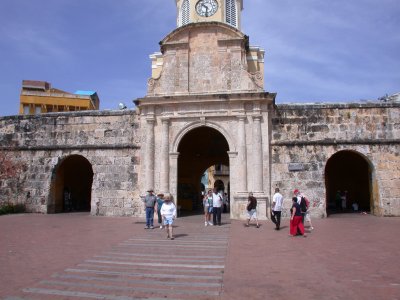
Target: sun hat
167	197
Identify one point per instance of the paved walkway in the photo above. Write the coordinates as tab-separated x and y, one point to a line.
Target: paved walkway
76	256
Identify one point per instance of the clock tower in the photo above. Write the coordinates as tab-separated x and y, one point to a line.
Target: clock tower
206	106
194	11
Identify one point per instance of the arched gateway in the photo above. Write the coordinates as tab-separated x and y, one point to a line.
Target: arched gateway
349	183
71	185
198	149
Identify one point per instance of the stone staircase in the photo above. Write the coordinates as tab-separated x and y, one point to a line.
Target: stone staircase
146	266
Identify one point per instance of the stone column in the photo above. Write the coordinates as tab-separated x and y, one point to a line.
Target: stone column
257	166
174	175
164	168
242	156
149	154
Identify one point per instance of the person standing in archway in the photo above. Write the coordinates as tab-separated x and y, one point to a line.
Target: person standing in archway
208	207
217	207
343	200
67	199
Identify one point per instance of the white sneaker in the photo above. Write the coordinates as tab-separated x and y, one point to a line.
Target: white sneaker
210	223
160	226
205	223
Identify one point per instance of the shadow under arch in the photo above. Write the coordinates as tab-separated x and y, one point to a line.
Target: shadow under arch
349	177
72	178
199	148
198	124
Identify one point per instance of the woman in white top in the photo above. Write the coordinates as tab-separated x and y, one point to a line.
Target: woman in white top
168	213
207	204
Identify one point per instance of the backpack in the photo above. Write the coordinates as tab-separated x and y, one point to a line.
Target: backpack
304	204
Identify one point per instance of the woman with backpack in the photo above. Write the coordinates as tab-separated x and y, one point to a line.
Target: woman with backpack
296	224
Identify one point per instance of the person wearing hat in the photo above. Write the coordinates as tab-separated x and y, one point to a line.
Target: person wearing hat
149	203
168	213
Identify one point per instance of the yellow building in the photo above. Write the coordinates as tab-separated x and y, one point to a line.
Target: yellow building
39	97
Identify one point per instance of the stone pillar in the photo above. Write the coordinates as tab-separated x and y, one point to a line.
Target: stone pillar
242	156
174	175
164	168
257	166
149	154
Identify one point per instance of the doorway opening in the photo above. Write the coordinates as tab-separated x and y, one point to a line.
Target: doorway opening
217	177
348	181
73	185
199	150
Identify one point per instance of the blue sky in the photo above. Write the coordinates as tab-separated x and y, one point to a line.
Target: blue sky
316	51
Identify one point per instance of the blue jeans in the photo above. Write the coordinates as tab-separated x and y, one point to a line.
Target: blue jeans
149	216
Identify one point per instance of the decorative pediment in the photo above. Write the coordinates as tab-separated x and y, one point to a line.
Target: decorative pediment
203	58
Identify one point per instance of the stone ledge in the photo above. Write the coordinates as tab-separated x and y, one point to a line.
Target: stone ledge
71	147
337	142
338	105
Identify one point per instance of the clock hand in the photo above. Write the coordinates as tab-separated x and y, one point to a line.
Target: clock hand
206	6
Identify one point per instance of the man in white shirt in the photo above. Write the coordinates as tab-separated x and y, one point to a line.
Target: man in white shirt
277	201
217	207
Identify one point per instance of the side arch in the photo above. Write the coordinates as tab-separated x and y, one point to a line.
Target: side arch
350	183
73	176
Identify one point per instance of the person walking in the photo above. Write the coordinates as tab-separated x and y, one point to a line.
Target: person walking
252	210
217	207
307	218
160	202
149	202
208	208
277	202
296	225
168	213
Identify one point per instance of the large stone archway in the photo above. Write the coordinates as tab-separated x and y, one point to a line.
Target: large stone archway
198	149
348	180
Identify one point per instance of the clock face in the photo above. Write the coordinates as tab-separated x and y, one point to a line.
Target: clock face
206	8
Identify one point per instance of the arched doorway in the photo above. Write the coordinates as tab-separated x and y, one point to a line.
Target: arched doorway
199	149
348	183
73	177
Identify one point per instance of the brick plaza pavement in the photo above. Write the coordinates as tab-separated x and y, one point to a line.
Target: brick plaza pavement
76	256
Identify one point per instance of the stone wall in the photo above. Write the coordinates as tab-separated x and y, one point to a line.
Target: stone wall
107	139
302	140
306	136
